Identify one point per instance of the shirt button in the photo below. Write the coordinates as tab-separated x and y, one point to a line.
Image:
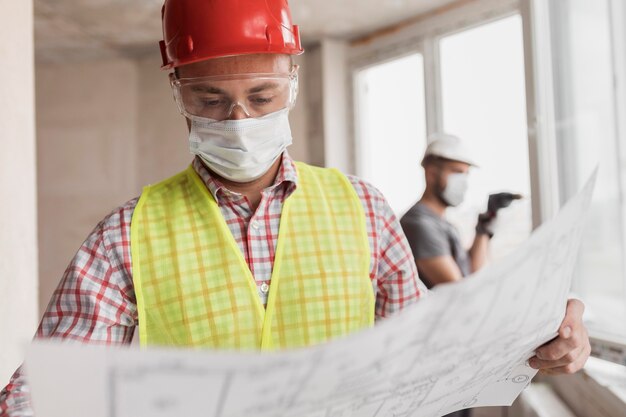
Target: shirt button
255	225
265	288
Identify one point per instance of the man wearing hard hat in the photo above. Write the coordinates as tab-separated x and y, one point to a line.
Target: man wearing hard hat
246	249
435	242
439	255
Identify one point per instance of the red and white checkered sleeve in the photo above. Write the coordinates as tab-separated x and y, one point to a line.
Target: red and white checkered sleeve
94	302
393	271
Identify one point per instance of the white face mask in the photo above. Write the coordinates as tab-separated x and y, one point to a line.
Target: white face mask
241	150
455	190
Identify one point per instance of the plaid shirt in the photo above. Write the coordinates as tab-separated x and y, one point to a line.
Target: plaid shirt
95	301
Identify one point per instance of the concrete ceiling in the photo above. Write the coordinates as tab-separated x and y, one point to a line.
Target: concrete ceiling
92	29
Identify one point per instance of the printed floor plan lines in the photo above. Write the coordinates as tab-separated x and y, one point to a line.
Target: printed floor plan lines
464	345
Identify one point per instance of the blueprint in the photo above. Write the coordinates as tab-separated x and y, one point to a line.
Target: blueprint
465	345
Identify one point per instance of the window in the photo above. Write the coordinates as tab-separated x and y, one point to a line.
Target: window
588	120
484	102
476	88
391	128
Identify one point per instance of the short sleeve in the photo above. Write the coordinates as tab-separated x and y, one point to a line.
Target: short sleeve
426	238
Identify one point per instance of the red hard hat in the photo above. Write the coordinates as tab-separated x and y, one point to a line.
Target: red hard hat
196	30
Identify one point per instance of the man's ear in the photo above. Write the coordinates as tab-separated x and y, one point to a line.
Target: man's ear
430	173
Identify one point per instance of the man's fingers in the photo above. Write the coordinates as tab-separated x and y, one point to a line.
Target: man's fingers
569	362
562	346
569	351
566	359
572	334
570	368
573	317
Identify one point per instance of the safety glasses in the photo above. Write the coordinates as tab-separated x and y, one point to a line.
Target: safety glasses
217	97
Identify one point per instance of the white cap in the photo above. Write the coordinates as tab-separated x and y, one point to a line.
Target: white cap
449	147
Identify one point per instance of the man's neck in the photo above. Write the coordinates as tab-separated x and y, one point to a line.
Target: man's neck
433	202
252	190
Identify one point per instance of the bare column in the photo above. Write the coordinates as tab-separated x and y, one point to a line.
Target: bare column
18	215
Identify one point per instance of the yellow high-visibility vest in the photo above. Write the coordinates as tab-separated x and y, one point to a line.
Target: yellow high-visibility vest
195	289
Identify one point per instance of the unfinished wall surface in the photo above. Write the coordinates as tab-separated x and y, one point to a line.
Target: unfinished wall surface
325	102
338	149
87	155
18	206
299	116
314	102
161	130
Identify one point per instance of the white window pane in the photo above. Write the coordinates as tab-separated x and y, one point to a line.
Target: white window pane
391	128
586	135
484	102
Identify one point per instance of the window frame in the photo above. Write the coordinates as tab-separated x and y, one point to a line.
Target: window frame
355	96
423	36
420	37
540	85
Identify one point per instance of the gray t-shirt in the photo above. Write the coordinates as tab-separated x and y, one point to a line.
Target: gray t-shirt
431	236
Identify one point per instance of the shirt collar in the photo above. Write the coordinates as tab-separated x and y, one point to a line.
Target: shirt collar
286	179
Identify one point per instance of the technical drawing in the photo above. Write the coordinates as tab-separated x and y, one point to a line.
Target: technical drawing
465	345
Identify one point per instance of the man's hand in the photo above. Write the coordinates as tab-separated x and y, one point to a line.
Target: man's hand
501	200
567	353
486	221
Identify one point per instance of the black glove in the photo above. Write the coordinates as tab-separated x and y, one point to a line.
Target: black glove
500	200
496	202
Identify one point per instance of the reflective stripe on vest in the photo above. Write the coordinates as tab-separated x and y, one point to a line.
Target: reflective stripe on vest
195	289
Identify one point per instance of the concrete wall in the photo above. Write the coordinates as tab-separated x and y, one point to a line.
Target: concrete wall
105	129
314	103
86	153
161	130
338	148
18	207
326	104
299	116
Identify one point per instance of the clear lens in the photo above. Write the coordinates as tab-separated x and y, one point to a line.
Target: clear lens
218	97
